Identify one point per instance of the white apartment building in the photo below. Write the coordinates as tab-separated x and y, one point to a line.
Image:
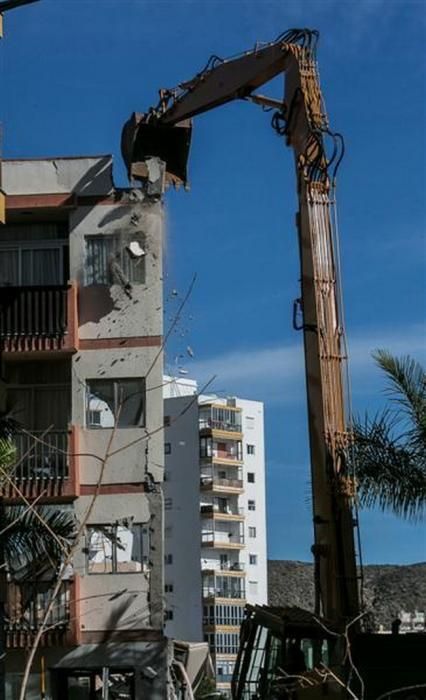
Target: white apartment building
215	518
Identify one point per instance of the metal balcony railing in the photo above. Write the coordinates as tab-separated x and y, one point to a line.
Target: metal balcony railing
214	592
37	318
211	482
213	509
212	568
217	537
210	423
24	613
45	464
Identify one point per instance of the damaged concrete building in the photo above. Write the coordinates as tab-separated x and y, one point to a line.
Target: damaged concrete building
81	342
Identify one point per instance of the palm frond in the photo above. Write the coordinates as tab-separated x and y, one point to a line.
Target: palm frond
28	541
408	388
391	474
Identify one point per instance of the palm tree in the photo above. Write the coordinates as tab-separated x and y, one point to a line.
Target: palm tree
389	450
30	539
33	542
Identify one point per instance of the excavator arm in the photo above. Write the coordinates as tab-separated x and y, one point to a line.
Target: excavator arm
164	131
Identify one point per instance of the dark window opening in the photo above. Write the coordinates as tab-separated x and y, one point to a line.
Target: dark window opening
115	401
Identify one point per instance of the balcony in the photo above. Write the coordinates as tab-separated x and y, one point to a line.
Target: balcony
233	514
222	420
227	593
236	568
24	614
38	318
222	540
216	485
46	465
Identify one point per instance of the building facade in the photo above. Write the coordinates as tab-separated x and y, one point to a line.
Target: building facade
81	362
215	515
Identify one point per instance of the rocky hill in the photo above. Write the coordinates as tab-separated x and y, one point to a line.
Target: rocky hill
388	589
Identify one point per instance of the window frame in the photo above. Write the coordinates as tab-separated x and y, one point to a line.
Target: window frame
31	245
117	245
113	528
116	381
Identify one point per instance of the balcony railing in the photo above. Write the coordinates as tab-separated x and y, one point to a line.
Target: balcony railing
208	482
45	465
38	318
218	511
210	423
217	567
214	592
218	538
24	614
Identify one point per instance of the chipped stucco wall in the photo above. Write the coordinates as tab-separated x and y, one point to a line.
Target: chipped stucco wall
85	176
113	311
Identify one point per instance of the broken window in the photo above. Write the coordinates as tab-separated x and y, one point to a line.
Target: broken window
99	683
116	548
111	401
110	260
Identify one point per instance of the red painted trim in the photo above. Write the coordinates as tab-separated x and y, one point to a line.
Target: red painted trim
143	341
71	338
109	489
62	199
73	486
35	201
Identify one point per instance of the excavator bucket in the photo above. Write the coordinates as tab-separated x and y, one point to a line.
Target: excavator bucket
142	139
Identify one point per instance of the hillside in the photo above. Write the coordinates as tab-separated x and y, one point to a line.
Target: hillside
388	589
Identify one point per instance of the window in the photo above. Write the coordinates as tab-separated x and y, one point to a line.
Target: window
253	588
253	559
168	588
166	421
168	615
206	447
250	422
168	559
252	505
252	532
250	449
167	448
168	503
32	263
166	476
250	477
168	531
110	261
116	548
223	615
111	400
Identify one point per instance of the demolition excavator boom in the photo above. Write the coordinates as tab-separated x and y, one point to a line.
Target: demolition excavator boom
300	118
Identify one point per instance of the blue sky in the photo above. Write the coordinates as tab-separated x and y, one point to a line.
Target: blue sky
72	72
